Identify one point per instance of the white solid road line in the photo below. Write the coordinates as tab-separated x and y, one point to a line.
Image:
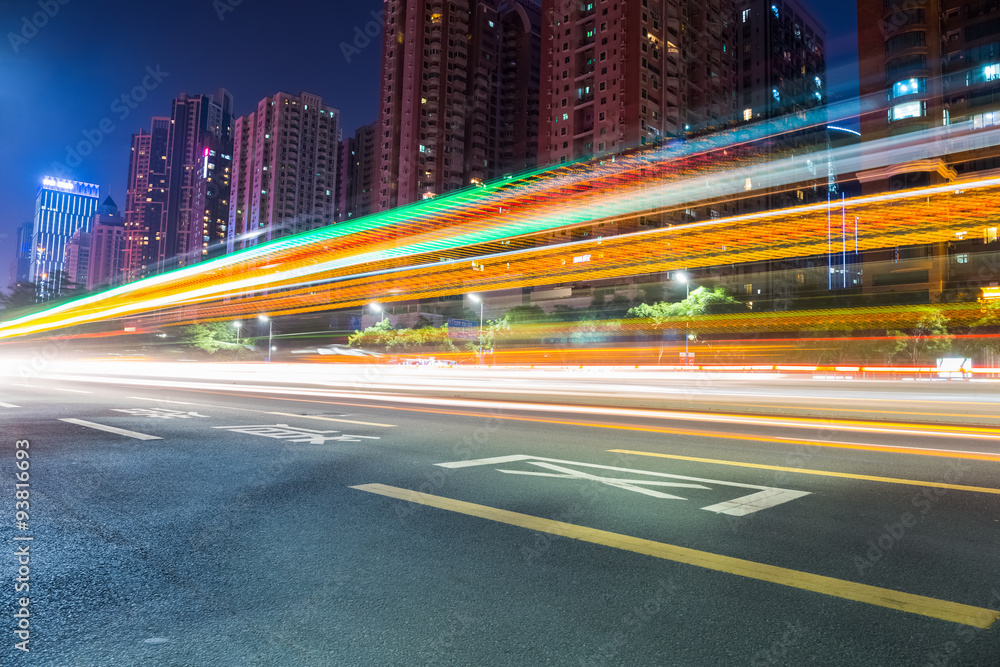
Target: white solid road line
9	405
75	391
111	429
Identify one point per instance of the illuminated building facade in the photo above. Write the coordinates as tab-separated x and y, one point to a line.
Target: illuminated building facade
146	200
284	170
210	205
929	65
62	208
163	218
630	73
198	122
362	170
460	95
107	232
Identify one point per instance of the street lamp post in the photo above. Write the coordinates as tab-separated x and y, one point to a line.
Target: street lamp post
477	299
270	333
237	326
379	309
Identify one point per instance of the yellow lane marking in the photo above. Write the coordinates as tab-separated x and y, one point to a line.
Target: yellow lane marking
805	471
788	406
915	604
330	419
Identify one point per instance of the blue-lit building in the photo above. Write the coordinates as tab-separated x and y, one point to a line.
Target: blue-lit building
62	208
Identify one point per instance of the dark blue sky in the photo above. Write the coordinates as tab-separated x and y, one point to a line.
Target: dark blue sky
65	77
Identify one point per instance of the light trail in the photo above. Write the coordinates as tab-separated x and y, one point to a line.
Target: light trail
358	256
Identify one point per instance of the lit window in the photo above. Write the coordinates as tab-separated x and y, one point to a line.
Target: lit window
907	87
747	114
962	259
908	110
776	95
774	10
991	72
746	15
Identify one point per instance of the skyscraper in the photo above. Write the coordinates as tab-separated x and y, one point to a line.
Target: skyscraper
62	207
925	65
195	122
447	117
106	246
781	72
210	206
146	201
620	75
284	173
361	178
165	171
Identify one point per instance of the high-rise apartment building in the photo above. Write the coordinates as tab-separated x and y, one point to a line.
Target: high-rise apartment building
928	64
622	74
94	253
107	233
447	118
780	55
62	207
146	201
361	177
163	217
76	265
210	206
284	171
196	120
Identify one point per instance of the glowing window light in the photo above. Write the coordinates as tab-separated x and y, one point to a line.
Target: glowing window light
991	72
907	87
908	110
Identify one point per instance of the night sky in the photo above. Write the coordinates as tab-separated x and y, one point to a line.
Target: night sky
71	74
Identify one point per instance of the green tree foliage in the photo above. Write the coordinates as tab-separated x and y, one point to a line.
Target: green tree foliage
929	338
209	337
383	336
22	296
702	301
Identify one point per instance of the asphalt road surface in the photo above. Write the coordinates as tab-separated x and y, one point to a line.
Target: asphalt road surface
421	520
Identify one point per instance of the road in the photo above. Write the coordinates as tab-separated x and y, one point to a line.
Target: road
422	518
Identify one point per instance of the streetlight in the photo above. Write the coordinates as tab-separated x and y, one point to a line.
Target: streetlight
270	333
237	326
477	299
683	277
378	309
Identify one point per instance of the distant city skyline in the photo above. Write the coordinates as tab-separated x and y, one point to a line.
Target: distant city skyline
76	89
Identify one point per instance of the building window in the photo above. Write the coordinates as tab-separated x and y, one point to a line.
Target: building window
907	87
908	110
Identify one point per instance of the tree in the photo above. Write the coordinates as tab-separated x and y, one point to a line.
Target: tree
929	337
22	296
700	302
209	336
881	349
383	335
